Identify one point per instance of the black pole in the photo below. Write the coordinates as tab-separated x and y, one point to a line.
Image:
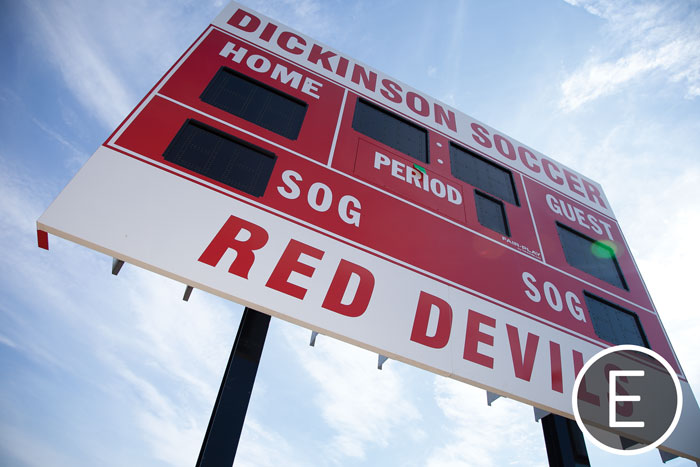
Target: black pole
564	441
226	422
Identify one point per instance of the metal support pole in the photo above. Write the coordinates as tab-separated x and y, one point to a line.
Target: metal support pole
564	441
226	422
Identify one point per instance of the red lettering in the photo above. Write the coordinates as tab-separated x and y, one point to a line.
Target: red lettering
593	193
583	393
474	336
339	285
522	365
419	333
289	263
318	55
267	33
285	39
412	98
342	69
555	360
240	17
369	80
525	156
508	151
391	91
481	135
573	182
442	118
548	167
225	239
578	362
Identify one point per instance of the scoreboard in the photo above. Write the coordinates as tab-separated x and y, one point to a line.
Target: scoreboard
276	172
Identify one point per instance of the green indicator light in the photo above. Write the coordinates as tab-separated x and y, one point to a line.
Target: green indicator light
604	249
419	168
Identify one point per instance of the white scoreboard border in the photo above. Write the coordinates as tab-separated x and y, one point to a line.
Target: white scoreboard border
161	213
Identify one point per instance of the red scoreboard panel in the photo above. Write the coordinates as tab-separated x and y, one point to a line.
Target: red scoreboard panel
274	171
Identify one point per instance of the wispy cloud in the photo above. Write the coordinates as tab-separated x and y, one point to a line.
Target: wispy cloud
363	406
27	449
109	54
503	434
262	447
667	259
79	156
7	341
78	55
642	38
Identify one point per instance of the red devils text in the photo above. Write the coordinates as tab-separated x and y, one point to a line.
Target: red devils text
479	329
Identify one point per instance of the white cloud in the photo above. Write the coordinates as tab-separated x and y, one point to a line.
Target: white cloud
172	441
641	38
261	447
110	54
7	341
505	433
173	434
362	405
668	262
166	360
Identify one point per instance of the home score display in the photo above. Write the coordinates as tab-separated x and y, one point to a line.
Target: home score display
276	172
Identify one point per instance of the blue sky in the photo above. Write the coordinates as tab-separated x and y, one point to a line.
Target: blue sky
98	370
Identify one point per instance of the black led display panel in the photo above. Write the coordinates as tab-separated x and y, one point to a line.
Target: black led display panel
483	174
221	157
391	130
614	324
588	255
491	213
256	102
